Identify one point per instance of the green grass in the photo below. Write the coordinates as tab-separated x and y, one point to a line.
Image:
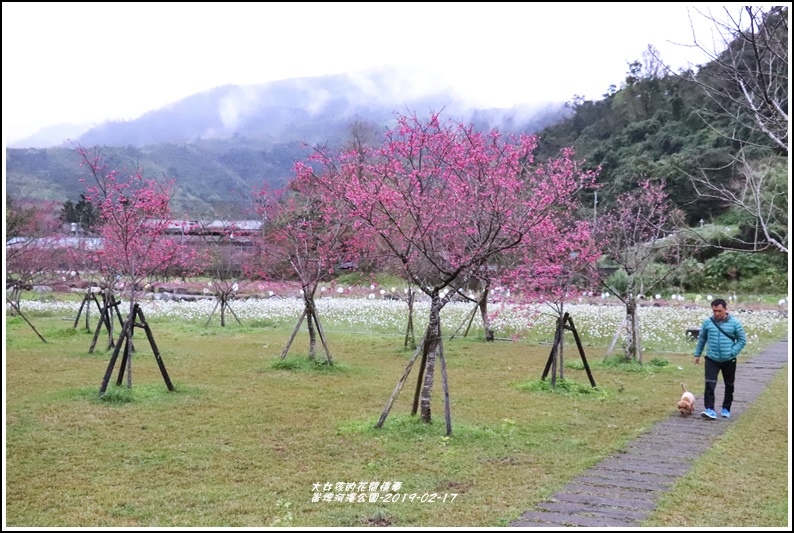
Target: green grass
246	436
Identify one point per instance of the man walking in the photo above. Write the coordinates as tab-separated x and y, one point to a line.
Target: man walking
725	337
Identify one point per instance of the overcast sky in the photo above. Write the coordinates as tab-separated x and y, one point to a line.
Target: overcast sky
90	62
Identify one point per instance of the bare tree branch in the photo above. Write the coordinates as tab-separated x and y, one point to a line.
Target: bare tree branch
747	77
761	193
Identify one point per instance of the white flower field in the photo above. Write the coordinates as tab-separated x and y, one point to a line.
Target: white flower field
663	328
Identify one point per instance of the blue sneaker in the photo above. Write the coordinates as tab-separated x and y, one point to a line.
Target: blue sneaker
709	413
725	413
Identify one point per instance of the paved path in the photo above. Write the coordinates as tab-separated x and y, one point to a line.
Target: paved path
622	490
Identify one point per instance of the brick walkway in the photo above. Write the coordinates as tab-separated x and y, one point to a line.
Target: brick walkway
622	490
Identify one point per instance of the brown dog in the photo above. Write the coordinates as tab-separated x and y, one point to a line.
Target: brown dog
686	405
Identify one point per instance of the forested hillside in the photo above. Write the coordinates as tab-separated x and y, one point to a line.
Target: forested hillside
214	178
718	136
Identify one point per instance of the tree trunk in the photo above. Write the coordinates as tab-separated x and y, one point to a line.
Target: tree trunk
433	347
16	295
308	303
410	339
486	324
128	345
636	331
111	301
631	328
445	385
562	319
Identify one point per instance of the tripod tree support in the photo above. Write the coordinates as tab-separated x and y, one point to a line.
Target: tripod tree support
563	323
410	339
109	304
86	304
125	340
310	314
430	347
223	300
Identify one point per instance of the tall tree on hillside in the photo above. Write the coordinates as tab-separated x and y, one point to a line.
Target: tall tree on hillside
758	193
444	199
638	237
136	249
747	83
747	76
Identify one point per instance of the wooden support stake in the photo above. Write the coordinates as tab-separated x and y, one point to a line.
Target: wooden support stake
294	332
20	313
398	387
155	350
581	352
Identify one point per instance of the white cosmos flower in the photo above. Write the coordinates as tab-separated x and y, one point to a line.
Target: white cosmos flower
662	327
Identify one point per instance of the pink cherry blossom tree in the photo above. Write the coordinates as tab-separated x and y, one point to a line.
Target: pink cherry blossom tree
34	248
34	251
307	239
84	258
136	249
638	236
444	199
223	257
555	267
85	265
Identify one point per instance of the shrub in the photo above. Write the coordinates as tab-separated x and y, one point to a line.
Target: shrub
753	272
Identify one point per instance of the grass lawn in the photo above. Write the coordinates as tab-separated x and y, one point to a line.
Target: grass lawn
248	442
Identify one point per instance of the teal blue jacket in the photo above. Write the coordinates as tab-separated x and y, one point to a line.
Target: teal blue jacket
720	347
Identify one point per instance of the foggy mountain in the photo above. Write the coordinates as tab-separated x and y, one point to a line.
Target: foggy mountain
220	144
54	135
311	110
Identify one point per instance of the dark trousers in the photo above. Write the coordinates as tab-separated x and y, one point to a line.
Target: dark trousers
713	368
